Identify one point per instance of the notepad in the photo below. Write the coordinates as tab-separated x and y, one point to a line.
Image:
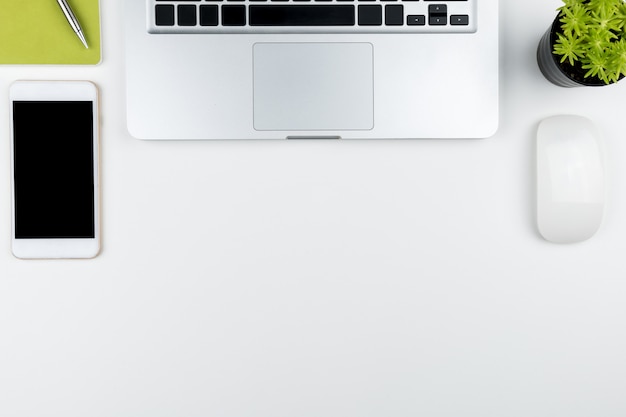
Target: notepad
36	32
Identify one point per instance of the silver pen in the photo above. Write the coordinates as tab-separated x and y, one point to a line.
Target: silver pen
69	15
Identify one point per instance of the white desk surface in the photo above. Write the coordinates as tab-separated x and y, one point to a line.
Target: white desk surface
301	279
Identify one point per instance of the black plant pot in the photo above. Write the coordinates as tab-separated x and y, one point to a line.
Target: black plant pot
561	74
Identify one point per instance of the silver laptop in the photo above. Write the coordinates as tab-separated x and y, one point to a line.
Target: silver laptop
298	69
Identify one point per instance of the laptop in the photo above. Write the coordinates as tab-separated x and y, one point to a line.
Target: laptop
311	69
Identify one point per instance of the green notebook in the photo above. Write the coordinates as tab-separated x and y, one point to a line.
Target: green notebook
36	32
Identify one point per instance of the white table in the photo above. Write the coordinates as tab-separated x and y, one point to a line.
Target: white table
324	278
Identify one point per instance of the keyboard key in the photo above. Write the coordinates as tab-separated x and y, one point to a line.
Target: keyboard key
234	15
416	20
459	20
437	20
208	15
370	15
394	15
164	15
187	15
302	15
441	9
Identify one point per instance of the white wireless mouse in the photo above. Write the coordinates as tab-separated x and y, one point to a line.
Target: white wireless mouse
570	179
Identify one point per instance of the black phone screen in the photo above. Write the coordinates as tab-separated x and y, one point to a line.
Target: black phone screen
53	169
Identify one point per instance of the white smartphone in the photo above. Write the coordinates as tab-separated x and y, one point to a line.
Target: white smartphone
54	161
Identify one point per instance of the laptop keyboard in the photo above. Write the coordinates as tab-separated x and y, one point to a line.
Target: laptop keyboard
311	16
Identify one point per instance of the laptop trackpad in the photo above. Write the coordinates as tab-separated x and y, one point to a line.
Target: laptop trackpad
313	86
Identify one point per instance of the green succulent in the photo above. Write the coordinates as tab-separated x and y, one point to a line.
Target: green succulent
593	37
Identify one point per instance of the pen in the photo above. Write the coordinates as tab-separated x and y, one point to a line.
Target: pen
69	15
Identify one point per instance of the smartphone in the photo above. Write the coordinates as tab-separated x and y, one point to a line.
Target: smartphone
54	161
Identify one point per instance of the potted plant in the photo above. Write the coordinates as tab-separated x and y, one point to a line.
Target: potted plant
586	44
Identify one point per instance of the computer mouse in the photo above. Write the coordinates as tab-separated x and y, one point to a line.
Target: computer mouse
570	179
